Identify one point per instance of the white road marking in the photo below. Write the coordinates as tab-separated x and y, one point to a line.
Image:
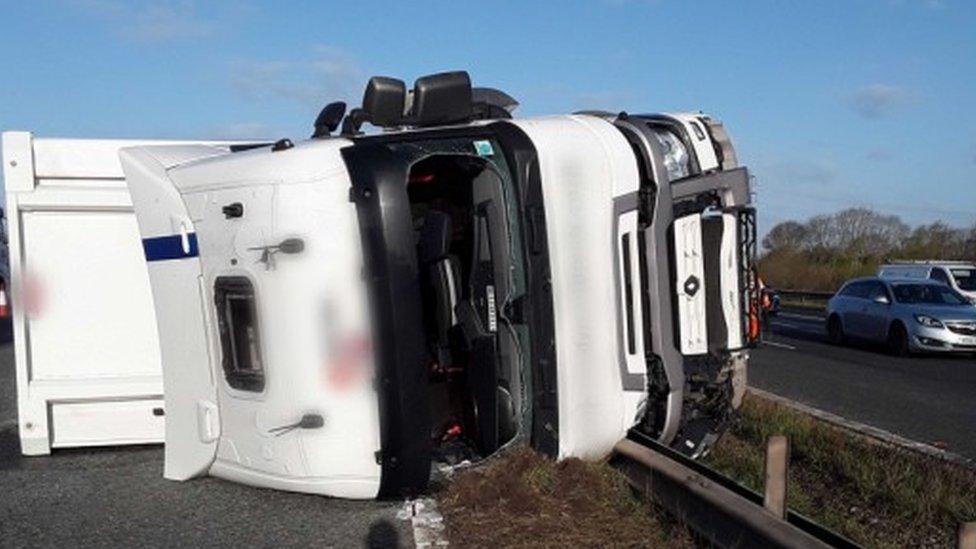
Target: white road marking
427	522
784	325
780	345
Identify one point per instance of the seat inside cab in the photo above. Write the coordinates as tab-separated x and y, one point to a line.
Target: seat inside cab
464	253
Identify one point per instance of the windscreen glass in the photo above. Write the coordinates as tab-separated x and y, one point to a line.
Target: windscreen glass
928	294
965	279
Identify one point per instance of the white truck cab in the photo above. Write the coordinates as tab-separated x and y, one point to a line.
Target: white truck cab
335	316
338	314
958	275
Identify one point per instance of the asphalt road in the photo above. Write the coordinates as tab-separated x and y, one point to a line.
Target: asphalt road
116	497
930	399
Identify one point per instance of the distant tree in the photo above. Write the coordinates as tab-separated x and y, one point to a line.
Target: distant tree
970	246
820	237
788	235
864	233
935	241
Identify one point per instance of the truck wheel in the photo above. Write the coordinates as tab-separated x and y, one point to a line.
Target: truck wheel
898	340
835	331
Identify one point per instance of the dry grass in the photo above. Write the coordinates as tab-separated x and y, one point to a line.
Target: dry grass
523	499
877	495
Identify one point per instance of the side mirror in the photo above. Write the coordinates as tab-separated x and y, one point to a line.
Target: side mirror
443	98
384	101
883	299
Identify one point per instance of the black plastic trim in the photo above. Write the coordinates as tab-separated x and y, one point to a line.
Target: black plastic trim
379	191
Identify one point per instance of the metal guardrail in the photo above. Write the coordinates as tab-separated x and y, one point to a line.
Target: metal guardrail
716	507
806	294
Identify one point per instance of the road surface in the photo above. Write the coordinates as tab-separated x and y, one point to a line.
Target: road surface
930	399
116	497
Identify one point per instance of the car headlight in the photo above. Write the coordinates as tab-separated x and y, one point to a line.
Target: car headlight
676	158
926	320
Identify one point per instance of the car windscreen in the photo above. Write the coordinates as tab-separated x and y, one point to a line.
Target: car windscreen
965	279
928	294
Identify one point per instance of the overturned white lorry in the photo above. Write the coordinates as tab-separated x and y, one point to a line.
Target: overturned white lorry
336	315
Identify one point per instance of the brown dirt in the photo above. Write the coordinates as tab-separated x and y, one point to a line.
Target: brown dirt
523	499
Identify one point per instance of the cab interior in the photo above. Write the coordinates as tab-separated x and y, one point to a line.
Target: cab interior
463	261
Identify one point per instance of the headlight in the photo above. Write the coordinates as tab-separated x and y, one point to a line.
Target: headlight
926	320
675	154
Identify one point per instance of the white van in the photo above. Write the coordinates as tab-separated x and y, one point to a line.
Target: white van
959	275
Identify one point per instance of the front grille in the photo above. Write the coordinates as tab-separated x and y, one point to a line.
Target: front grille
962	328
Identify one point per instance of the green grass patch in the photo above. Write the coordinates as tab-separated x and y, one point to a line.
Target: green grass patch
800	303
878	495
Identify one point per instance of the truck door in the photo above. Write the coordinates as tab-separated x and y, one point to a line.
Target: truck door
172	256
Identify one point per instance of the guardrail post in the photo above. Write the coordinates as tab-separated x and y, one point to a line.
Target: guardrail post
777	460
966	536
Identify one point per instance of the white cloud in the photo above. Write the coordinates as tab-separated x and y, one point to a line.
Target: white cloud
157	21
876	100
327	74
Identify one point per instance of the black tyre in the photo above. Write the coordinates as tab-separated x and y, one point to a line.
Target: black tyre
898	340
835	331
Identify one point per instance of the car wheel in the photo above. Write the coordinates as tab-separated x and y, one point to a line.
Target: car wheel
898	340
835	331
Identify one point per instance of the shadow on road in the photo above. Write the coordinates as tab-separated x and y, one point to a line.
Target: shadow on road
10	455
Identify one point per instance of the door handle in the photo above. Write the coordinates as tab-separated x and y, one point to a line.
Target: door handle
184	238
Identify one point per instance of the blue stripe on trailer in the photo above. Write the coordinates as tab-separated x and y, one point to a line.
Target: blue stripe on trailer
162	248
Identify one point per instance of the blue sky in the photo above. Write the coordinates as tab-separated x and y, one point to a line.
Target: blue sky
832	104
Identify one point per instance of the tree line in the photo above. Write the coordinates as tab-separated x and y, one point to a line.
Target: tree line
824	251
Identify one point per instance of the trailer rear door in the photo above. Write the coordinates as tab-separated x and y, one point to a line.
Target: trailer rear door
85	338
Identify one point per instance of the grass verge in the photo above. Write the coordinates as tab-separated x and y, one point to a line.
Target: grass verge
523	499
808	304
875	494
878	495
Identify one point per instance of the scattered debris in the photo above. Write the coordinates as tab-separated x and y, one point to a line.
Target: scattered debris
427	522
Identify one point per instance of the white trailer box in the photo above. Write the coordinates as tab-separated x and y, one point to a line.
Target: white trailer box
85	339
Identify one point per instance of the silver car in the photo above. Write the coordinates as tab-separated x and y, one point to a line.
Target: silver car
909	315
